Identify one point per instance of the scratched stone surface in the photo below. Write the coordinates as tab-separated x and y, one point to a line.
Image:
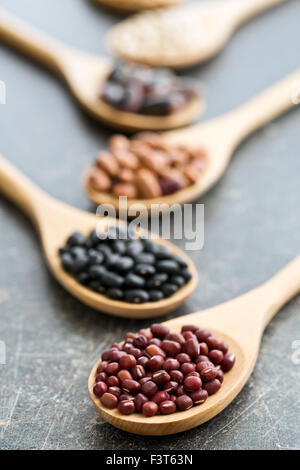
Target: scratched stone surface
252	229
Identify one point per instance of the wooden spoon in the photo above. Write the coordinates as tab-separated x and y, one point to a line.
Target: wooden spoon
219	137
85	74
136	5
241	323
55	221
153	37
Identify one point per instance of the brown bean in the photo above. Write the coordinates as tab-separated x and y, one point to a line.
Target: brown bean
127	159
126	175
125	189
148	184
118	142
107	162
99	180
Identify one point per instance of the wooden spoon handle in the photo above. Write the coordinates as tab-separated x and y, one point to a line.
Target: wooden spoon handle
267	106
31	41
20	190
281	288
244	10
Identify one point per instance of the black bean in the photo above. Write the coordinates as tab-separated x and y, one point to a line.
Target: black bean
111	261
67	261
111	280
150	246
178	280
115	293
83	278
134	248
180	261
94	238
96	272
169	289
157	280
145	269
186	274
168	266
96	257
124	263
136	296
145	258
157	106
96	286
64	249
105	249
77	239
163	253
80	260
134	280
156	295
119	246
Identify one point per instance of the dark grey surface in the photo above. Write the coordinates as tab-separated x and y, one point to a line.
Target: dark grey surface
252	227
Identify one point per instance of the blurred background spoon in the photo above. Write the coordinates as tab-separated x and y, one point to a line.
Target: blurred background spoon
241	323
182	36
85	75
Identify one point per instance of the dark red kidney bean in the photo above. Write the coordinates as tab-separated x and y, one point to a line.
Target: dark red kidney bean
140	400
149	388
136	352
112	368
191	384
127	348
99	389
228	362
191	347
112	381
212	386
192	328
116	346
201	358
116	355
202	335
171	348
124	374
176	376
160	396
213	342
204	365
144	380
102	377
170	386
153	350
155	363
183	357
143	361
159	331
188	335
216	356
184	402
223	347
146	333
131	386
203	349
171	364
126	407
155	341
180	391
209	373
193	374
173	398
138	372
106	356
150	409
126	396
220	376
199	396
115	391
128	361
140	342
129	335
102	367
109	400
161	377
177	337
167	407
188	367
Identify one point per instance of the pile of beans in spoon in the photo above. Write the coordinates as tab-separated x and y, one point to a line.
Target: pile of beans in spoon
156	371
122	267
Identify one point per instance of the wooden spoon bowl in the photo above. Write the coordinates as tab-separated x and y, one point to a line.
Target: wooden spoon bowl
84	75
213	23
55	221
240	323
136	5
219	138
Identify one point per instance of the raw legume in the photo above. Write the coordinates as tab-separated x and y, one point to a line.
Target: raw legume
150	373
